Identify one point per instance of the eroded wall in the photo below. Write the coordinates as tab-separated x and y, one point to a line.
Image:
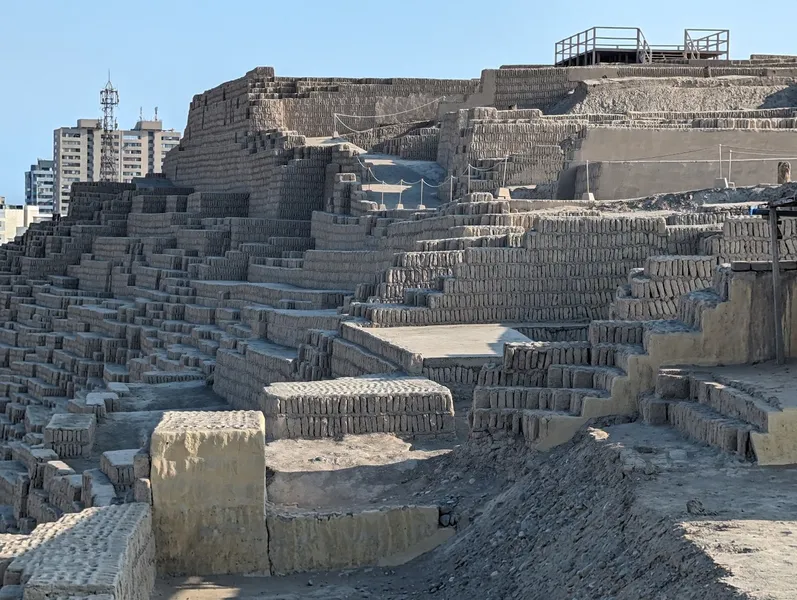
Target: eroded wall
210	513
209	491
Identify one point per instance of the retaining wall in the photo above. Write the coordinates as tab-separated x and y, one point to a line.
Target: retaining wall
680	159
211	516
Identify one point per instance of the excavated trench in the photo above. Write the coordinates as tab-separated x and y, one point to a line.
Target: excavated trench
622	512
342	504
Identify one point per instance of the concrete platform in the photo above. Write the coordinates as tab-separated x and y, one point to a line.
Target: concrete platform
442	343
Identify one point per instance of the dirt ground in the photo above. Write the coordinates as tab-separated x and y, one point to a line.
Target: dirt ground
622	512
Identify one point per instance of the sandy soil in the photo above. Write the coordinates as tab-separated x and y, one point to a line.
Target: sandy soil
623	512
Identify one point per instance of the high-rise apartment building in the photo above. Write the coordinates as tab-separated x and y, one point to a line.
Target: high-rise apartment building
16	218
77	151
39	186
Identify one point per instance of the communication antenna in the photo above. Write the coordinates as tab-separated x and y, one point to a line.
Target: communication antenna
109	161
156	113
140	113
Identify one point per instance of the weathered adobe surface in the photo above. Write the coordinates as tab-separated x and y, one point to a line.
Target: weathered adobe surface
678	94
624	511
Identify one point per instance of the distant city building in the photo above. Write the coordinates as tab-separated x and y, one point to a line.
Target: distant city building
76	153
15	219
39	182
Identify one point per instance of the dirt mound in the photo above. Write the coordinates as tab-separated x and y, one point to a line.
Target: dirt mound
690	201
569	527
627	512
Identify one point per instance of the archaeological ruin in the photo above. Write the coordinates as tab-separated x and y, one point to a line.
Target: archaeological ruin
380	323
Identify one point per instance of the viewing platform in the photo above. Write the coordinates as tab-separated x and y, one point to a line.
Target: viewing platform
627	45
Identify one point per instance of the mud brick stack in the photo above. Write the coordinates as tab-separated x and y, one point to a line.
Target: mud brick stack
313	360
112	547
510	146
418	144
749	238
70	435
406	406
205	205
266	265
243	371
652	292
117	465
568	269
531	87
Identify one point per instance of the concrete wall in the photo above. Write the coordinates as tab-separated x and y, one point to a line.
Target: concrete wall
679	160
612	181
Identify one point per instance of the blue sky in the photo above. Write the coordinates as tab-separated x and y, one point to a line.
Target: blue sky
55	54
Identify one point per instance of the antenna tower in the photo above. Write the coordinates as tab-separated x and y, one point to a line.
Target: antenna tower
109	160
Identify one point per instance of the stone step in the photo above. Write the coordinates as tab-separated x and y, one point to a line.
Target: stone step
244	369
523	357
386	351
567	400
460	243
115	373
615	355
724	398
118	467
36	418
644	309
644	287
349	359
158	377
575	376
540	428
70	435
701	423
664	327
692	305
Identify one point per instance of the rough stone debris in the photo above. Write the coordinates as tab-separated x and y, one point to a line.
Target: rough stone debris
263	270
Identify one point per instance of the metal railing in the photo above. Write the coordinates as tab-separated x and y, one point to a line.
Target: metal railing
611	38
716	42
713	43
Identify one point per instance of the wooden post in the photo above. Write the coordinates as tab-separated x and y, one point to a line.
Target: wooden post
587	166
776	298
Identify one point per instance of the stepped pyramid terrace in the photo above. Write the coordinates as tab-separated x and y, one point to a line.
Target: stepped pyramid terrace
353	318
